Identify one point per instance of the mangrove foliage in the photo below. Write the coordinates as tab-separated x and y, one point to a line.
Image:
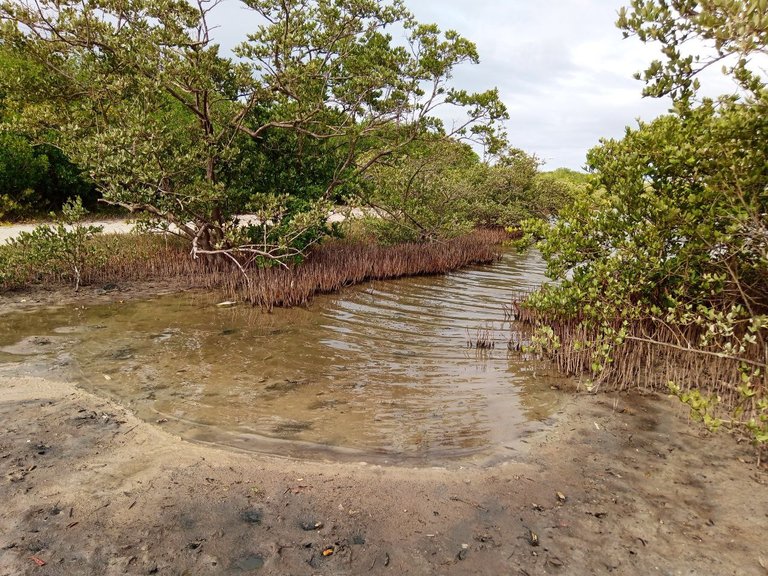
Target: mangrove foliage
662	264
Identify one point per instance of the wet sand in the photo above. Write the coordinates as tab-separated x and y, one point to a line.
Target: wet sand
89	489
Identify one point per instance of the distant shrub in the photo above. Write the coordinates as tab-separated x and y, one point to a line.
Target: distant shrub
63	248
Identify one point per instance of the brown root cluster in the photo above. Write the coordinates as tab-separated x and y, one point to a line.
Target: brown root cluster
335	265
656	355
327	268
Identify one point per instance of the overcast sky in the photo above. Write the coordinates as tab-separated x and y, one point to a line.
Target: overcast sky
562	67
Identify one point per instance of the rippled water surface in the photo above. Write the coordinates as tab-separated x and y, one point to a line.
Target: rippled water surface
382	371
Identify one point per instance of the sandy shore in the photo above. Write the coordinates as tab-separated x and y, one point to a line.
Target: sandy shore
88	489
10	231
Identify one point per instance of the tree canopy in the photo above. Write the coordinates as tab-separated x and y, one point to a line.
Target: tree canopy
695	35
162	120
34	178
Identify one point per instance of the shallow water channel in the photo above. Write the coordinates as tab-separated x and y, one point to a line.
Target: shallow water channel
380	372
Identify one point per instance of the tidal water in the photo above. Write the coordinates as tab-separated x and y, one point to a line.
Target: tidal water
386	371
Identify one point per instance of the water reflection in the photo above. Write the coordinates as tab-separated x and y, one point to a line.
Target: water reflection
382	370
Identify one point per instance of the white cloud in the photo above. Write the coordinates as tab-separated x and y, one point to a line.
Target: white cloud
562	67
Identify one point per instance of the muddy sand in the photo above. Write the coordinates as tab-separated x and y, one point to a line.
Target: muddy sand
621	484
